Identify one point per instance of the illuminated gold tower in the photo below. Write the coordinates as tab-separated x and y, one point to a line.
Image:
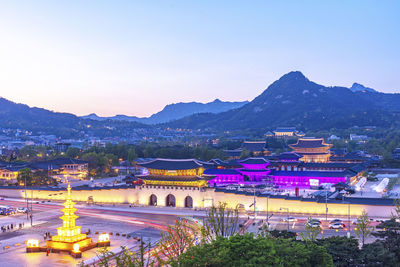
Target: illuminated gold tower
69	236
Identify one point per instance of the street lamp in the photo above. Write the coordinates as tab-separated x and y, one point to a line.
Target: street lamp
326	204
287	210
267	212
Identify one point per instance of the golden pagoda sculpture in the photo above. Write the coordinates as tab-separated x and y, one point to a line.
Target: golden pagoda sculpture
69	236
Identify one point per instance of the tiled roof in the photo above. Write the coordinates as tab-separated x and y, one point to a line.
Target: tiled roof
311	173
288	156
254	161
254	146
233	153
327	165
221	172
172	178
285	129
310	143
172	164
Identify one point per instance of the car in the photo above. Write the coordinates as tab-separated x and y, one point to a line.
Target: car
22	210
335	221
313	224
289	219
336	226
314	220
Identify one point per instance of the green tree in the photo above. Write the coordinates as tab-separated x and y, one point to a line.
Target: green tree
375	254
245	250
344	251
311	233
25	175
363	228
220	221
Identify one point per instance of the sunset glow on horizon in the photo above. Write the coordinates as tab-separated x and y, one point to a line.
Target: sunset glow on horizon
134	58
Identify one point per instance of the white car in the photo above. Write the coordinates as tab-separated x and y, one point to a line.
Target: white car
335	221
22	210
336	226
289	219
313	224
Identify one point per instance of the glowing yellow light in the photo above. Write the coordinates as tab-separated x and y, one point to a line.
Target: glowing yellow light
104	238
76	247
32	243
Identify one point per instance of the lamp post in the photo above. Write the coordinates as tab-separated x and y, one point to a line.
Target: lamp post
254	202
26	199
326	204
287	210
349	227
267	212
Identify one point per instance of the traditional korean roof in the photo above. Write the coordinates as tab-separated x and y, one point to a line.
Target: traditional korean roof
285	129
254	161
285	163
221	172
233	153
45	165
309	142
14	167
288	156
254	170
172	164
327	165
64	161
348	156
232	164
173	178
217	162
254	146
311	173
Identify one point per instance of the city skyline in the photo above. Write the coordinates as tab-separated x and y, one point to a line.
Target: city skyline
115	58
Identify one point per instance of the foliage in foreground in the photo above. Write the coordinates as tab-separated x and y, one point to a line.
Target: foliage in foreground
247	250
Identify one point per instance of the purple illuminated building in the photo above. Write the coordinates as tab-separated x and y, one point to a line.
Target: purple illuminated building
259	171
251	171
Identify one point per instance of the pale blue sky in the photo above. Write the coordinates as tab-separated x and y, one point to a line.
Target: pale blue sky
134	57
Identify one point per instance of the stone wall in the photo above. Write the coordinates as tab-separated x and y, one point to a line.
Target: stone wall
201	197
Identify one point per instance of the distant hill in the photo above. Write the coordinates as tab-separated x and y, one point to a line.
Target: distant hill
356	87
175	111
293	100
39	120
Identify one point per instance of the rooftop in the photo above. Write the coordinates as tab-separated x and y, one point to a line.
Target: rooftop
254	161
310	143
172	164
254	146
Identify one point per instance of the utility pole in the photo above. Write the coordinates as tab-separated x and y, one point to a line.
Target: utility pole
254	202
26	200
349	226
31	207
287	210
326	204
267	212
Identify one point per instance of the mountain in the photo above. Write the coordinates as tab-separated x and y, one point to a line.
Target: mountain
175	111
42	121
356	87
294	100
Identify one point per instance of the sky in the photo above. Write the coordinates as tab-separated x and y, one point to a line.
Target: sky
135	57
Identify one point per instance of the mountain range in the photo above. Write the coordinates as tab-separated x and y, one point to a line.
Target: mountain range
175	111
293	100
